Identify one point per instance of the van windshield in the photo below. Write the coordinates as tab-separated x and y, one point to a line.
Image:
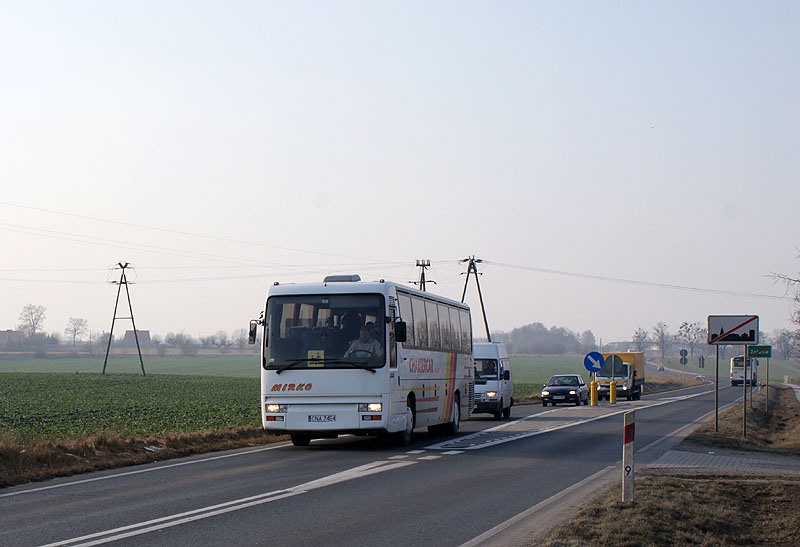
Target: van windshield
486	369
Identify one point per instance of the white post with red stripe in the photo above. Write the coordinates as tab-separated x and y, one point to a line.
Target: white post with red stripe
627	456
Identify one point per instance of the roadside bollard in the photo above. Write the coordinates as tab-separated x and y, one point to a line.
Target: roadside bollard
593	393
612	393
627	456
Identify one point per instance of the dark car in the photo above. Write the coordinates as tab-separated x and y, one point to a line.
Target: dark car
565	388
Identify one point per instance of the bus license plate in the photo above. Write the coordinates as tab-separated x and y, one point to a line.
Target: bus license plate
322	418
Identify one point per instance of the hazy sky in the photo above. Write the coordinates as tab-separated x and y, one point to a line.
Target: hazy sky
238	143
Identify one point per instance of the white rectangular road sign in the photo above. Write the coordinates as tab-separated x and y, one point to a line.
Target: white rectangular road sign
735	330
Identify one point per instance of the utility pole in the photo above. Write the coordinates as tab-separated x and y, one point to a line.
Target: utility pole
422	264
123	280
472	268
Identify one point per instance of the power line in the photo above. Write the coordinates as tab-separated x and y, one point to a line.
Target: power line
129	245
637	282
179	232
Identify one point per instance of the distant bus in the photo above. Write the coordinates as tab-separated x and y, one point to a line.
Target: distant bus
366	358
737	371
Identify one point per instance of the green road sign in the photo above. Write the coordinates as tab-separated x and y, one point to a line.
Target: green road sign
759	351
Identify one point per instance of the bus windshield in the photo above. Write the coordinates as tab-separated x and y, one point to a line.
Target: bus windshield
325	331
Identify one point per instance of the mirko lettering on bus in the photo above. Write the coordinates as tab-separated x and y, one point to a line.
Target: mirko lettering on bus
291	387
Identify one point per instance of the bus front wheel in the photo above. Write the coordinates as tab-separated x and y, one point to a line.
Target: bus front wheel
301	439
404	437
453	427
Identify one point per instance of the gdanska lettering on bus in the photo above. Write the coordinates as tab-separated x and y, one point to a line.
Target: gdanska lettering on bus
421	364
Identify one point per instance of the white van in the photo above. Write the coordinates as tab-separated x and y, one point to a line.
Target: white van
737	371
493	387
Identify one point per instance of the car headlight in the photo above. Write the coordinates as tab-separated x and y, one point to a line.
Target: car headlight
370	407
274	409
545	392
491	394
624	388
572	392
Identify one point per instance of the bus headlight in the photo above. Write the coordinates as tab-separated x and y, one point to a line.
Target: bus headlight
491	394
370	407
275	409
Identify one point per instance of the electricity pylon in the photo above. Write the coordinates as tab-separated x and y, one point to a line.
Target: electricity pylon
123	280
472	268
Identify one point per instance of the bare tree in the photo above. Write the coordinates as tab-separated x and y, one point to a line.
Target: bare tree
691	334
588	342
239	337
31	318
787	344
662	337
640	339
76	327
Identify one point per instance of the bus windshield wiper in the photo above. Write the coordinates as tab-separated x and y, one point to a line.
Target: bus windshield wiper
294	362
365	366
326	360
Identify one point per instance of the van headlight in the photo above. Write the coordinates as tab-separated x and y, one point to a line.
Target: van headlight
275	409
491	394
370	407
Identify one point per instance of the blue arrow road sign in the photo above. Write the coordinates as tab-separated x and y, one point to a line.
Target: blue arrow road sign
593	361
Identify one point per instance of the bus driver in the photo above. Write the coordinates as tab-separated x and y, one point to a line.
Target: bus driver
364	345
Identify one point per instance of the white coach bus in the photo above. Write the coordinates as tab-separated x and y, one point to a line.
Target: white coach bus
366	358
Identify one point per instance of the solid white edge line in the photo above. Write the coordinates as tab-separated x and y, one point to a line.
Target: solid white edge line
527	512
139	471
693	424
445	445
515	519
229	506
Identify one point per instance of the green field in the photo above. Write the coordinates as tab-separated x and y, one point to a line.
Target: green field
73	406
69	398
234	367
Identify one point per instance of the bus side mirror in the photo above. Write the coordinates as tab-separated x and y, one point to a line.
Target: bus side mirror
506	375
400	334
251	336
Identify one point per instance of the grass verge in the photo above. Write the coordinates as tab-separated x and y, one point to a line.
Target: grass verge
689	511
22	462
708	510
776	431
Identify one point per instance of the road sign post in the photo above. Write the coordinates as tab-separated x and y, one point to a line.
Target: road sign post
716	391
627	456
766	352
593	362
734	330
744	394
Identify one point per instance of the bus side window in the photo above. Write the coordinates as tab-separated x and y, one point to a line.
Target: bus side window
434	335
466	332
444	327
420	323
455	333
404	304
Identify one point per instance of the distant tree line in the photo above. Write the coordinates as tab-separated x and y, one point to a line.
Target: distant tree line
30	336
536	339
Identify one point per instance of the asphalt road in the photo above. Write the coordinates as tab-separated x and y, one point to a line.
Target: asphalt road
349	491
